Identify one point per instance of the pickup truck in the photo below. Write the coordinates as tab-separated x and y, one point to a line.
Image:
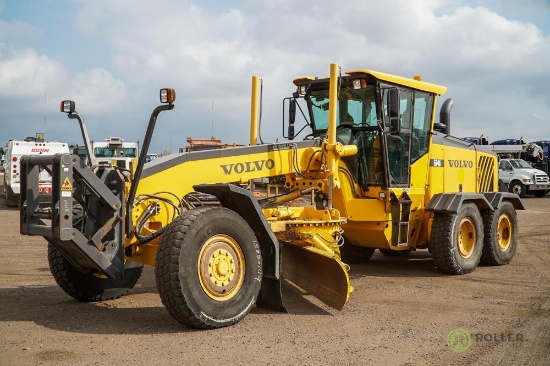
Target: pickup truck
521	178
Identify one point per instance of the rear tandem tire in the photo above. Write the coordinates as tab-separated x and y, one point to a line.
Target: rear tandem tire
501	231
456	240
209	268
88	287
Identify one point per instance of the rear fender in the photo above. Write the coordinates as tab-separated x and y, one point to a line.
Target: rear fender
496	199
451	202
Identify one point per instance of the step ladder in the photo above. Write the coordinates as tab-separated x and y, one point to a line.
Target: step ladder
401	213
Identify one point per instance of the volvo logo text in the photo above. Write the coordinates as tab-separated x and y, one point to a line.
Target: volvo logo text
249	166
461	163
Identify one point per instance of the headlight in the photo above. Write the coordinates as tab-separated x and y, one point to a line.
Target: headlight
66	106
167	95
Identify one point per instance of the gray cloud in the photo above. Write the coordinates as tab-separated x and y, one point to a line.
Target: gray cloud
494	65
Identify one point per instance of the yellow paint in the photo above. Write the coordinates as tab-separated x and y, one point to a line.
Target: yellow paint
364	215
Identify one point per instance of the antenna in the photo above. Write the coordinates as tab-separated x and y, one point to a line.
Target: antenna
212	118
45	116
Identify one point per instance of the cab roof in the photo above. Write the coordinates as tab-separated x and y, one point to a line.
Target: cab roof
399	80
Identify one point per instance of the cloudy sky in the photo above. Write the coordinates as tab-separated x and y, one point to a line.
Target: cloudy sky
112	57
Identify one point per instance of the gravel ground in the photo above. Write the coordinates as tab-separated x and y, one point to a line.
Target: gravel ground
401	313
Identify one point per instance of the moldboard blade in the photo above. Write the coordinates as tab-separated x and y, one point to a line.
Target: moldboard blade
322	275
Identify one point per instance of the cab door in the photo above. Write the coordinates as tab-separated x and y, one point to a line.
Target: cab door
505	171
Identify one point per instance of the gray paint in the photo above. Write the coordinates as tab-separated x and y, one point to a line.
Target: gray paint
170	161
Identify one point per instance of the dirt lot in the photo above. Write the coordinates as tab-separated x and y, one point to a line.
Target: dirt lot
401	313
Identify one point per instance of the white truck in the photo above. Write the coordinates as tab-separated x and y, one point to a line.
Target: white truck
115	149
521	178
12	168
517	175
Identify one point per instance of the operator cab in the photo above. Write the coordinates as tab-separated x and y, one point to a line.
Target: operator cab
389	123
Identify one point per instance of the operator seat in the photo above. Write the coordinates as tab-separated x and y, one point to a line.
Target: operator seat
344	132
345	136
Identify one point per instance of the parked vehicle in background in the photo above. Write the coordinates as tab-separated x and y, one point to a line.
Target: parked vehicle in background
476	140
543	163
201	145
521	178
508	142
545	144
12	175
151	157
78	150
114	148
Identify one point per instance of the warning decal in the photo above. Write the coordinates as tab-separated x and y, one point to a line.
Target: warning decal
66	186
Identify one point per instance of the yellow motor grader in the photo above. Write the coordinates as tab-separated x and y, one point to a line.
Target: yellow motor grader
376	171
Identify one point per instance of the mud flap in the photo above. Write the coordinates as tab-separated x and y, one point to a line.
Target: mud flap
321	274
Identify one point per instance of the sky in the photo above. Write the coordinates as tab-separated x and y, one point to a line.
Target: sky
112	57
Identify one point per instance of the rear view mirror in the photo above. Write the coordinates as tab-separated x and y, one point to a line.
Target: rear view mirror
291	118
393	103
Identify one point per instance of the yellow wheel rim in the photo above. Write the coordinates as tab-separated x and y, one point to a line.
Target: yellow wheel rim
504	232
466	237
221	267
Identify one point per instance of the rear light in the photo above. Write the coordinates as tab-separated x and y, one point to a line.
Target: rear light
14	158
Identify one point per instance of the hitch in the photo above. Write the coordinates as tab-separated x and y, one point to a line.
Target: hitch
85	217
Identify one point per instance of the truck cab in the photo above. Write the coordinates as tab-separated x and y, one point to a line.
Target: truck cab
521	178
115	149
12	175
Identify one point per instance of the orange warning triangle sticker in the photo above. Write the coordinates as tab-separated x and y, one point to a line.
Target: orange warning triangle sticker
66	186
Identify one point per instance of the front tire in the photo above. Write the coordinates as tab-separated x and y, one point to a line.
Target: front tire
209	268
518	188
501	231
456	240
540	194
86	286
